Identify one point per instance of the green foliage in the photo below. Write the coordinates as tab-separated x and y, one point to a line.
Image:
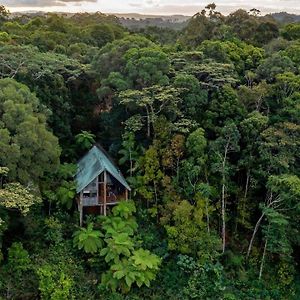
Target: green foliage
204	118
124	209
15	196
243	56
19	265
206	282
4	13
54	285
274	65
140	268
147	67
291	31
18	258
29	149
127	264
88	239
119	244
62	186
85	140
66	193
187	229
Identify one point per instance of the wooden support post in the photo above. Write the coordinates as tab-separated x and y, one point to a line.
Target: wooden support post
126	194
81	214
80	208
104	192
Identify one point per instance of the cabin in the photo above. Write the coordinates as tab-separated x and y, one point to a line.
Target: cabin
99	183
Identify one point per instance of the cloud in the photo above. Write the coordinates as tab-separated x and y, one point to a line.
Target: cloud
41	3
157	7
136	4
226	7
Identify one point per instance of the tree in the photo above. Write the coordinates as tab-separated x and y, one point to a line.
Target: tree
194	98
152	102
15	196
291	31
225	144
243	56
197	30
85	140
283	195
279	149
186	226
4	13
102	34
52	76
29	149
193	170
18	265
147	67
130	151
243	24
255	12
266	32
251	129
274	65
54	284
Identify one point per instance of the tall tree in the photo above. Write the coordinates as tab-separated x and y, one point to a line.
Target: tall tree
29	149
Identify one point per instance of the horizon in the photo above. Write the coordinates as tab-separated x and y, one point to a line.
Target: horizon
148	7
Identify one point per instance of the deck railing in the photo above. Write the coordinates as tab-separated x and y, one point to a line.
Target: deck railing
110	199
90	201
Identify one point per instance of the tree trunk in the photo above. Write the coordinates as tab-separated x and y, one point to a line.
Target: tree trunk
223	219
254	233
207	215
148	123
131	163
223	199
247	184
263	258
104	193
244	201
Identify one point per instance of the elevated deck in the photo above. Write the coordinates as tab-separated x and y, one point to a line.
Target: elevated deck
99	201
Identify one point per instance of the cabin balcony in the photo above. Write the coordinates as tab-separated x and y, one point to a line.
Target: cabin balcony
99	201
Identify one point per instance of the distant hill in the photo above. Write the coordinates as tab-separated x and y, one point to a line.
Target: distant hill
137	21
130	20
285	18
172	18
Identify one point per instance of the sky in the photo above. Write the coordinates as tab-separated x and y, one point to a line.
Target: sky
157	7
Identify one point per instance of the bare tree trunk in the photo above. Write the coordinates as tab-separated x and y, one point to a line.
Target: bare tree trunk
244	201
254	233
207	215
270	202
223	219
177	169
152	119
155	193
263	258
131	163
247	184
223	200
148	123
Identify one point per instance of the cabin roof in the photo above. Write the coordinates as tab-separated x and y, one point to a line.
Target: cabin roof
92	165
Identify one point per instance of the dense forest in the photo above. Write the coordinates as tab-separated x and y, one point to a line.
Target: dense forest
204	123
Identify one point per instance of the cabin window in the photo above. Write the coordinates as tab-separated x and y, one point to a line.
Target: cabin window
91	190
86	194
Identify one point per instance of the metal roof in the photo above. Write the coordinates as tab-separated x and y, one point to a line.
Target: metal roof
92	165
